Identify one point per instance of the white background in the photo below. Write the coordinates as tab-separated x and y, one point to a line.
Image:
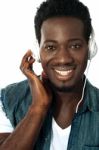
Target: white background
17	36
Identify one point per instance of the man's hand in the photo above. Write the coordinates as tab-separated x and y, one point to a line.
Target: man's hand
40	90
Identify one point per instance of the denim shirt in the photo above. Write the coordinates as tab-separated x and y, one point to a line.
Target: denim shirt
84	134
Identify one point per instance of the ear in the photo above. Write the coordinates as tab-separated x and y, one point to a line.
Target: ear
92	46
44	75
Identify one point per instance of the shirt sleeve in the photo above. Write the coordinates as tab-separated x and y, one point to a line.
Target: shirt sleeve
5	124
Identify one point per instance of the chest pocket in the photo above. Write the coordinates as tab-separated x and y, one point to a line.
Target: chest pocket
90	148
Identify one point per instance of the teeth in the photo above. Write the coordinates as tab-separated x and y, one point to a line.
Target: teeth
63	73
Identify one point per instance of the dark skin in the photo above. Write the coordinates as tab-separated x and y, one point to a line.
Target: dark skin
66	51
63	53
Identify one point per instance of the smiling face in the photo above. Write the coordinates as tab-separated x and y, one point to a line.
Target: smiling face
63	51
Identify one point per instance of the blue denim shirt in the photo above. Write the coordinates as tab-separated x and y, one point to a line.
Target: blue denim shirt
84	133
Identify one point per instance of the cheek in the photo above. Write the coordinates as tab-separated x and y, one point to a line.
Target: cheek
82	57
43	62
44	67
84	60
82	64
45	59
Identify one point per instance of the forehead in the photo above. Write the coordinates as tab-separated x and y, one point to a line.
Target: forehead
69	26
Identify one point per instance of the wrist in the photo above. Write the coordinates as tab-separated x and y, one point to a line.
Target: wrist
38	109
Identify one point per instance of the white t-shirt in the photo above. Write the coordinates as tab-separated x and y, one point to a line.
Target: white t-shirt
60	137
5	124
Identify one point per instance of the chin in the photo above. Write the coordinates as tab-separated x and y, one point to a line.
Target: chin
63	87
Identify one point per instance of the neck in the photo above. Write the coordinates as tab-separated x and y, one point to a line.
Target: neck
65	104
69	96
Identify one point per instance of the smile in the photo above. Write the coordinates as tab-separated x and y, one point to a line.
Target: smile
64	73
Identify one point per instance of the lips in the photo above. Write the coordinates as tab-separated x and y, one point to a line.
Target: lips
64	73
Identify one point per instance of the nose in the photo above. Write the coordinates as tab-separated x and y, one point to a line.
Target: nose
64	56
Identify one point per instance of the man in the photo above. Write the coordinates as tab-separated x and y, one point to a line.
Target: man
58	110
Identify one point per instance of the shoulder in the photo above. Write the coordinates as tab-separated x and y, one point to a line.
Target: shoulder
16	99
14	90
15	87
92	93
92	89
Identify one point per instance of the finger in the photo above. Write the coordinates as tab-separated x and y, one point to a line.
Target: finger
28	53
26	57
27	60
27	66
27	70
31	60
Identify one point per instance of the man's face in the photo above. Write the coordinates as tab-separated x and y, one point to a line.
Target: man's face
63	51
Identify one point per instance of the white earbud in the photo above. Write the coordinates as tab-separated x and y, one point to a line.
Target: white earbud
92	46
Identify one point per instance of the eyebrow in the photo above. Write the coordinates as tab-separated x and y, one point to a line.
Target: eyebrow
75	39
70	40
50	41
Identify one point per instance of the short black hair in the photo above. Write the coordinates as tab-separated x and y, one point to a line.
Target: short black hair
58	8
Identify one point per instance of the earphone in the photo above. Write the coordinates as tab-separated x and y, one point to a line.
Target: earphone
92	46
92	52
83	90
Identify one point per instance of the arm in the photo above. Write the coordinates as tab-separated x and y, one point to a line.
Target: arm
25	134
27	131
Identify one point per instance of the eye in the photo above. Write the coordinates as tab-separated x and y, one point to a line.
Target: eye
50	47
75	46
